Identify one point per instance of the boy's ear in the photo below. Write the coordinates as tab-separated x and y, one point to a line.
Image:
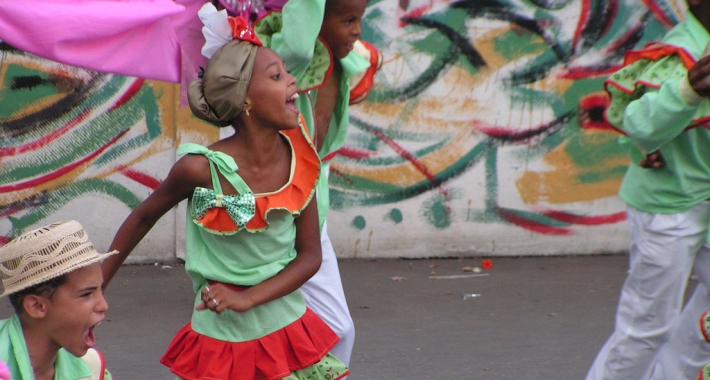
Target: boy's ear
35	306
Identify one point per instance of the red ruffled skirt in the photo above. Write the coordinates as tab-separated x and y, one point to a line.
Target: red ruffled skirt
193	356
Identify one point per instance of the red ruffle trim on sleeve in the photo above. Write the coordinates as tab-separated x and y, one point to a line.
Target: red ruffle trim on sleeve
301	344
359	91
657	50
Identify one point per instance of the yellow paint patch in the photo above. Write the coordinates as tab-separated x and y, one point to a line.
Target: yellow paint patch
561	184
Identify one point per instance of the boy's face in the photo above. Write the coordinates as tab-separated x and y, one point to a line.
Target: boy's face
75	309
341	25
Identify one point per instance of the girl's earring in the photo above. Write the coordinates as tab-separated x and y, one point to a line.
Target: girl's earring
247	111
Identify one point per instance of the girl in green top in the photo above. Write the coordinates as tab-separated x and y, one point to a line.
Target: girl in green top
252	233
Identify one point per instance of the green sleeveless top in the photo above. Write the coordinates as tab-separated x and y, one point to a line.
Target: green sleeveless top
248	256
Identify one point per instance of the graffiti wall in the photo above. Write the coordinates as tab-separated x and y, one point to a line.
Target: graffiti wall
482	136
76	144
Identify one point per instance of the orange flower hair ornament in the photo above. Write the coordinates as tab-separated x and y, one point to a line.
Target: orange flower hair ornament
242	31
219	29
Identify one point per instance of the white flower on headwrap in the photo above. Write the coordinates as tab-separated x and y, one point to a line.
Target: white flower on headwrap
217	30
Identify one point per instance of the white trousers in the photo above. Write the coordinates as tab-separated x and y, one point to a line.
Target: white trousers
324	295
687	352
663	250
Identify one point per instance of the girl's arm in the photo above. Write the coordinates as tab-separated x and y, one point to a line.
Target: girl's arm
182	179
296	40
303	267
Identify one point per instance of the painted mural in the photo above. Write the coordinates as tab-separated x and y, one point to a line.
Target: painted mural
475	95
81	144
484	130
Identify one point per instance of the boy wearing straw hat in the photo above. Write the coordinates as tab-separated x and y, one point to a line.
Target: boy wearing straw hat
53	278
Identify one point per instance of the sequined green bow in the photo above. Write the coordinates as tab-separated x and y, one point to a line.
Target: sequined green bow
241	208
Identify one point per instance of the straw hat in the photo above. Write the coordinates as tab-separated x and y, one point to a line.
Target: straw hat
46	253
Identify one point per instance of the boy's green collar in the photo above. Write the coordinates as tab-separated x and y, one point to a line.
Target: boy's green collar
67	367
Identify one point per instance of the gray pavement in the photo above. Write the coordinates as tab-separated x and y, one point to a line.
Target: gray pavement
535	318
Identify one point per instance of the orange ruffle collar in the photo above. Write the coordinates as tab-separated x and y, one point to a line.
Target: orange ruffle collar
292	197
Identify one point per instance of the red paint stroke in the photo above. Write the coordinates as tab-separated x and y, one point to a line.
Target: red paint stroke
142	178
350	153
129	94
60	172
598	99
4	240
531	225
11	210
623	40
404	154
340	174
508	134
591	112
414	13
583	20
594	220
45	140
658	12
588	72
612	7
329	156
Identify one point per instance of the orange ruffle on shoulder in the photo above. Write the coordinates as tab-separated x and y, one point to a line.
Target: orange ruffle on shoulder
301	344
294	197
362	82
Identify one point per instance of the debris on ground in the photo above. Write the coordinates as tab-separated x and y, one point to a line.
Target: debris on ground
435	277
487	264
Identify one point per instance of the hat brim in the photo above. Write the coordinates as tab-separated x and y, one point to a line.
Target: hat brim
70	267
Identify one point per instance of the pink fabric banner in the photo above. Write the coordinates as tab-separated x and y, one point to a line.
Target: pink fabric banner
154	39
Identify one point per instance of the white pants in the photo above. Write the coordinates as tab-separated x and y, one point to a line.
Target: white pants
687	352
324	295
663	250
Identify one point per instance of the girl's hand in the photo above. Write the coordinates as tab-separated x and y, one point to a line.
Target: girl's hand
218	297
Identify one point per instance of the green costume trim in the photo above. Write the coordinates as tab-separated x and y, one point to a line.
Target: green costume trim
321	64
329	368
632	81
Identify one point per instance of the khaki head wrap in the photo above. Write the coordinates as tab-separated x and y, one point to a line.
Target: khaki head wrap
218	97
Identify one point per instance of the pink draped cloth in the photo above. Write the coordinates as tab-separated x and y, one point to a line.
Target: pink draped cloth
4	372
154	39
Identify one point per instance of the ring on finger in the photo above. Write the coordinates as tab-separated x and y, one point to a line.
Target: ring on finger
215	302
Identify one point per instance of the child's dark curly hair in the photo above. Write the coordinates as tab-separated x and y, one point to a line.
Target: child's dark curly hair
46	289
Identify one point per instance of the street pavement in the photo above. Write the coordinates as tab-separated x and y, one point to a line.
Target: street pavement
525	318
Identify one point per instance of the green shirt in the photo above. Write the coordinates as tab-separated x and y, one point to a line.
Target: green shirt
658	120
13	351
295	39
243	258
